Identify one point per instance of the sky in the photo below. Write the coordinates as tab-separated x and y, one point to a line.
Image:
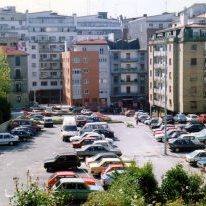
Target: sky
128	8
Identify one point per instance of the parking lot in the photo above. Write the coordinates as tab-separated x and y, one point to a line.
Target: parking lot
136	143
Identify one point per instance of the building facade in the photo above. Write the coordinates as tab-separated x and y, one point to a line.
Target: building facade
102	47
18	95
128	74
81	78
143	28
177	68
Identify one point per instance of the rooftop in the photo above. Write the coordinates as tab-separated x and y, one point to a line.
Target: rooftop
10	51
92	42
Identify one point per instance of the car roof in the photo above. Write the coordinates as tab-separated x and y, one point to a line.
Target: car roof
69	173
75	180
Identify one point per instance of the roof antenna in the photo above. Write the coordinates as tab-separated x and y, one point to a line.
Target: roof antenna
165	5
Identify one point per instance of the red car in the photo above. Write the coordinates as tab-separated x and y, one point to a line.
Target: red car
163	131
68	174
202	118
112	167
83	141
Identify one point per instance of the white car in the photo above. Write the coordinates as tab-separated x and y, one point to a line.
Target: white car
7	138
201	136
86	134
192	117
189	137
196	156
106	142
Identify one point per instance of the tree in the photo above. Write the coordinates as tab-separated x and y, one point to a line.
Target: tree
5	81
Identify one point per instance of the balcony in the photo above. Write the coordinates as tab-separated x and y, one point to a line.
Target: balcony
49	60
50	68
128	70
18	77
125	94
49	77
134	81
129	59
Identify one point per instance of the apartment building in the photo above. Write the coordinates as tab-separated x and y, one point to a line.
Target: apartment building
102	47
17	60
177	68
128	74
48	33
81	78
143	28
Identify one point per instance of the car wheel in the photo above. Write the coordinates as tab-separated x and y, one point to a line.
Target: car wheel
11	143
177	149
49	169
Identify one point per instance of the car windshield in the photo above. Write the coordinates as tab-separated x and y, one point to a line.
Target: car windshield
70	128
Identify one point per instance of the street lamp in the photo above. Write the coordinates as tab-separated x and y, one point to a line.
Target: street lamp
165	93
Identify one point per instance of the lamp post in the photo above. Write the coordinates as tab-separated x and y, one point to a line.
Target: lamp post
165	94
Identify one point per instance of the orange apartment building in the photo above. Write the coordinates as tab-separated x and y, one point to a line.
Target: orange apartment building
81	78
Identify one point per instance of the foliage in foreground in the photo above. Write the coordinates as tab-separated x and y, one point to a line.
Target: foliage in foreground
138	187
5	112
32	194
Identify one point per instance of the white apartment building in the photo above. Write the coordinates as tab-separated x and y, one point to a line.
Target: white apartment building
101	46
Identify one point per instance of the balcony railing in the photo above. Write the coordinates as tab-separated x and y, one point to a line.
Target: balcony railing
128	70
124	94
129	59
134	81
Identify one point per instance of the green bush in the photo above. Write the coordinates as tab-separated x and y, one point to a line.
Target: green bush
32	194
5	112
58	121
177	183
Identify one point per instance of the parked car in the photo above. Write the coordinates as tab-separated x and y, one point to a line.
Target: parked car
84	141
23	135
99	156
201	163
180	118
91	150
161	136
192	118
6	138
93	119
169	119
195	156
26	129
86	112
176	134
86	134
200	135
177	145
96	168
105	132
62	162
105	143
196	127
81	120
76	187
190	137
130	113
109	177
48	122
53	179
151	121
202	118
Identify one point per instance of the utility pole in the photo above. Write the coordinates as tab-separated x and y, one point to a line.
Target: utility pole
165	93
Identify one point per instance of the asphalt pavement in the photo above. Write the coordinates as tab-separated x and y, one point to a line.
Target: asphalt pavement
136	143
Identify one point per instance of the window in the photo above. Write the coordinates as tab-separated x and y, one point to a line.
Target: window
18	87
33	47
150	48
170	75
170	61
161	26
128	79
76	60
150	61
194	47
142	67
53	83
127	55
101	50
142	89
116	79
150	25
128	66
85	70
193	91
84	49
170	89
85	60
128	90
193	61
170	47
193	79
43	83
193	105
17	61
170	102
116	56
150	73
33	56
86	81
33	65
34	84
86	91
18	74
34	74
150	85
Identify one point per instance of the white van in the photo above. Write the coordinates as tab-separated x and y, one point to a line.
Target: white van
89	127
69	128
